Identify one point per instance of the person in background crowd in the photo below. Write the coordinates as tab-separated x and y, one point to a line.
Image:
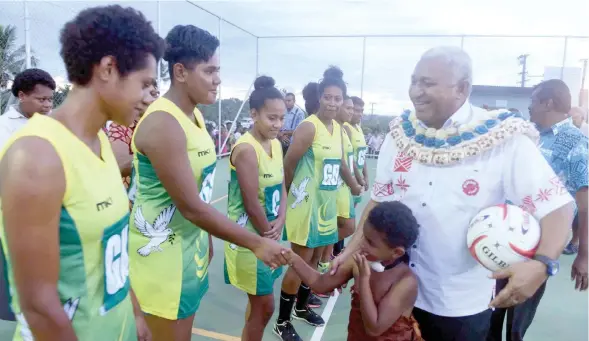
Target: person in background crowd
67	247
579	116
565	148
257	202
454	290
120	137
294	116
376	141
34	90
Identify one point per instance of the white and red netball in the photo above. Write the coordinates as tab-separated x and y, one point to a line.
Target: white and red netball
502	235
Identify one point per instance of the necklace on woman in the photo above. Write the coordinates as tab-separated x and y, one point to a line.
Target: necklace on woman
447	146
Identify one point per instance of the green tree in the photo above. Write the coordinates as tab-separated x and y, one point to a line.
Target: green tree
229	108
12	61
376	123
12	58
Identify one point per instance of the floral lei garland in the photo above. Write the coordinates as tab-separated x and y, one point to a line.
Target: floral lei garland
452	145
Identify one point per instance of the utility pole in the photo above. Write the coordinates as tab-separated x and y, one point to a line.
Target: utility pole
372	108
583	74
523	61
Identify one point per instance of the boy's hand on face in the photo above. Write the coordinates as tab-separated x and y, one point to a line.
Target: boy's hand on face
362	269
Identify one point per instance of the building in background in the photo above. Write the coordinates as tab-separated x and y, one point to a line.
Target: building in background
501	97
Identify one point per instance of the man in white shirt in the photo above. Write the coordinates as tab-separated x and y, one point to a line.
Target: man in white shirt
447	161
34	90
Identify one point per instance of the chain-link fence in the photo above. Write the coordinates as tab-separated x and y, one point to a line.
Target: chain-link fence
378	68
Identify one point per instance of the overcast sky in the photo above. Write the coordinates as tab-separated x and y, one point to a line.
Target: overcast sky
388	61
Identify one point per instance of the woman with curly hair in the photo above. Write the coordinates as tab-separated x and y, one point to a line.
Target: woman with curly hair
67	246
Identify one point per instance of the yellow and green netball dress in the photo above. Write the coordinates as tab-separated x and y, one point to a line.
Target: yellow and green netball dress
93	284
242	269
169	255
360	150
345	201
311	216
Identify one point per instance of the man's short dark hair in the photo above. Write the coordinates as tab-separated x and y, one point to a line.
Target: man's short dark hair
555	90
28	79
96	32
290	94
357	100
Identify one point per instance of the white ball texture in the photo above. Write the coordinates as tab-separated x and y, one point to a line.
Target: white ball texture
502	235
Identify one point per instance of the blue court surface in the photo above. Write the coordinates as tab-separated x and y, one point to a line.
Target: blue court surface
562	314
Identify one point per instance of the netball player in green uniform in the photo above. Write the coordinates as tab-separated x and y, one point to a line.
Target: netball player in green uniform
346	214
359	143
257	201
174	169
68	246
312	172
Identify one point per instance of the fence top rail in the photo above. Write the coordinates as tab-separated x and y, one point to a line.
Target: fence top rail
421	35
424	36
221	18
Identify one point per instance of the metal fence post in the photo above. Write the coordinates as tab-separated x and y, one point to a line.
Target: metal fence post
363	66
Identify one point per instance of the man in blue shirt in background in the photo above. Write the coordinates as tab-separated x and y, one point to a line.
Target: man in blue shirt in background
294	116
565	148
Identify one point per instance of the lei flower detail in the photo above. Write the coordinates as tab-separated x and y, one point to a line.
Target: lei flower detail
452	145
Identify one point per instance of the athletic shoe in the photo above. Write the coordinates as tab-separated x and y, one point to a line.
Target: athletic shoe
308	316
571	249
321	295
286	332
314	301
323	267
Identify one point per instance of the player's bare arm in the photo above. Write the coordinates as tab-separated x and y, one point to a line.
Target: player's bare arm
31	172
354	244
162	140
124	159
245	161
303	139
321	283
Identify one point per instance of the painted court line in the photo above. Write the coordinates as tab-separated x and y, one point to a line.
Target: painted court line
213	335
218	199
318	333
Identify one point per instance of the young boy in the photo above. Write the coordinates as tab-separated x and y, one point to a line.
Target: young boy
385	289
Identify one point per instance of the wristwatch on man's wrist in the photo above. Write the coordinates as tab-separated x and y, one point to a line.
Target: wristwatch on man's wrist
552	265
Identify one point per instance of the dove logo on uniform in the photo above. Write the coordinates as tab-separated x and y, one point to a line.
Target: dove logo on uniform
157	233
241	221
300	192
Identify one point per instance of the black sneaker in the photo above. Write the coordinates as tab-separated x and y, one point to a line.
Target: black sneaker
314	301
286	332
308	316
